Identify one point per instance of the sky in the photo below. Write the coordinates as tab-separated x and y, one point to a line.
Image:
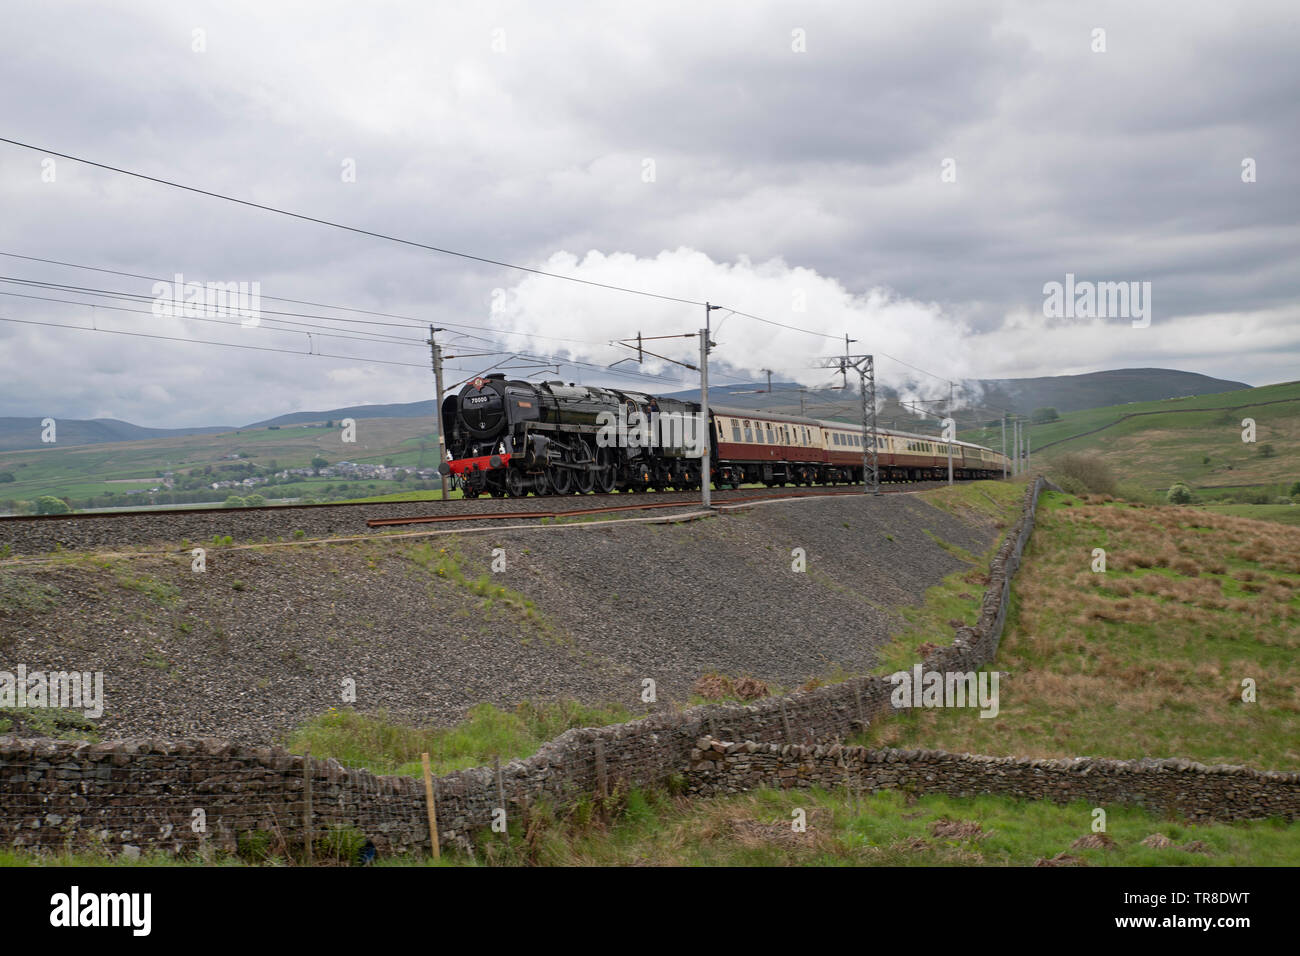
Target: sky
912	175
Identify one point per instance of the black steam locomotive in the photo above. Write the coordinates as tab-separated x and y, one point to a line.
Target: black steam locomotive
515	437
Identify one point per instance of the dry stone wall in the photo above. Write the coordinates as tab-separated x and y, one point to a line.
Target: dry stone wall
150	793
1181	787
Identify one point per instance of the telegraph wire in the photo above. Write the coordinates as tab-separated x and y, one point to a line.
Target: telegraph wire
339	225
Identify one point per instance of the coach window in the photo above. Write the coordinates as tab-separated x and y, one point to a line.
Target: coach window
749	436
735	430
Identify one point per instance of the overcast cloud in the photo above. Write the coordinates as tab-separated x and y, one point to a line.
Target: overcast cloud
803	185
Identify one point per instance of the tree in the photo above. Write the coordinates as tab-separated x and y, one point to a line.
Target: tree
1044	415
1078	473
1295	489
1180	494
254	501
234	501
318	463
6	476
1266	450
50	505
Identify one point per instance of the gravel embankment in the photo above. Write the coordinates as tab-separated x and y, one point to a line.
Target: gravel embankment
107	530
264	639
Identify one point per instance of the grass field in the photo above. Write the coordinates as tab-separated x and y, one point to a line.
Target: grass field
361	740
654	828
1286	514
79	471
1148	658
1197	440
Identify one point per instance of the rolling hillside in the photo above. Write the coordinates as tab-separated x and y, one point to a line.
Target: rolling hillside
81	471
1196	440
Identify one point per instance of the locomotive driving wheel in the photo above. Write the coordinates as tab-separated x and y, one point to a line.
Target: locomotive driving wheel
585	483
606	476
561	479
516	483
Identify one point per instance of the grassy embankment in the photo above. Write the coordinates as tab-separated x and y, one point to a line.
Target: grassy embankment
1195	440
1147	659
655	828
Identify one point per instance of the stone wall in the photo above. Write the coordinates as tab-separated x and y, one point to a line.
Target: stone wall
145	793
1180	787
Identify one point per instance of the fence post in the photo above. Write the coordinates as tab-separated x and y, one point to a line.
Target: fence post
785	723
602	782
501	789
306	803
433	810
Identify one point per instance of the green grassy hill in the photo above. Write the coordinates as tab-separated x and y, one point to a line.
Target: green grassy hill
81	471
1196	440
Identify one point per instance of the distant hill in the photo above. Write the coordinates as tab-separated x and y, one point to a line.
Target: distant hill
1195	440
1065	393
403	410
16	433
1073	393
980	399
24	433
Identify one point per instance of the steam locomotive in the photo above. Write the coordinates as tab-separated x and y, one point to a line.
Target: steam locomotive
513	437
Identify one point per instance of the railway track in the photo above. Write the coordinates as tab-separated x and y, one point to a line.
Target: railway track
38	534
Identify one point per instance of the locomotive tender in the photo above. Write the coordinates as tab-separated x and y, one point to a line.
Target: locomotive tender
512	437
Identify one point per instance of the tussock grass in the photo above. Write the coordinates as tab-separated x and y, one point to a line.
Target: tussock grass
1149	658
372	741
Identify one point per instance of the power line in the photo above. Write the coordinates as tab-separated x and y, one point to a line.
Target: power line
137	298
229	345
339	225
337	334
276	298
793	328
324	305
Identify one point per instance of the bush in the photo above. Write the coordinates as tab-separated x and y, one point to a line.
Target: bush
1180	494
1041	416
1295	490
234	501
1079	473
49	505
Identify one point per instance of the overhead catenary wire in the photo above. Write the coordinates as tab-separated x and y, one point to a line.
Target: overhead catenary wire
315	330
229	345
338	225
414	321
416	244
